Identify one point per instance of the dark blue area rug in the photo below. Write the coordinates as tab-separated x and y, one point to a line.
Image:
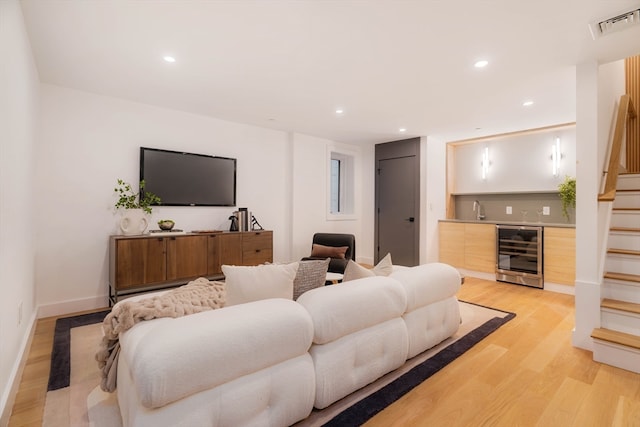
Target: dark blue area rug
355	415
61	352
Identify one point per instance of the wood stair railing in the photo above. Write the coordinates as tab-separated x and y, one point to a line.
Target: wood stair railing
625	110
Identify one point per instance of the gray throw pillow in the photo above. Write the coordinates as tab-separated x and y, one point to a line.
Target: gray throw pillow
310	275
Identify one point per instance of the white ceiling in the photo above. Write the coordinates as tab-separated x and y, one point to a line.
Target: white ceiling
289	64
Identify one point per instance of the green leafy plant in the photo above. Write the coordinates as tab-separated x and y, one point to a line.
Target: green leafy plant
128	199
567	190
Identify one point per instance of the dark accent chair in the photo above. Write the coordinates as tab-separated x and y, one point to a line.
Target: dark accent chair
336	265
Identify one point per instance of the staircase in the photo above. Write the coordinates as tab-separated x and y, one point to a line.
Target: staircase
617	341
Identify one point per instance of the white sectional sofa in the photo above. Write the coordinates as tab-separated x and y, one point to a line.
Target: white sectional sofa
269	362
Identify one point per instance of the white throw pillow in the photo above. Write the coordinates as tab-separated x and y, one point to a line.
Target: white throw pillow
356	271
246	284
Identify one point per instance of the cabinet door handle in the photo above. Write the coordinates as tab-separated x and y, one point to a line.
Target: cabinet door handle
257	250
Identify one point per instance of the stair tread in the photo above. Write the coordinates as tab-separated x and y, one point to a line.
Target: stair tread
626	209
627	306
623	251
625	229
622	276
617	337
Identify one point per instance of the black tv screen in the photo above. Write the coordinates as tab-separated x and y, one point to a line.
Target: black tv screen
188	179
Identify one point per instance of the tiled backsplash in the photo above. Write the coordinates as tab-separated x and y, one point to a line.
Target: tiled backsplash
494	207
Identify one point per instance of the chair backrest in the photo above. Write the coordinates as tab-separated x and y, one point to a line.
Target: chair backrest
338	239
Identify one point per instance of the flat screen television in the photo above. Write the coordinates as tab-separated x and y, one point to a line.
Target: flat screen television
188	179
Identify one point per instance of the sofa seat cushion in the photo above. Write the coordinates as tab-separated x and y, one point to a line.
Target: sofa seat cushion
341	309
430	325
174	358
279	395
427	283
351	362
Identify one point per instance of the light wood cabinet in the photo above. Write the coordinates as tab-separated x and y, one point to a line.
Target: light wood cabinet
473	247
480	247
149	262
451	240
560	255
469	246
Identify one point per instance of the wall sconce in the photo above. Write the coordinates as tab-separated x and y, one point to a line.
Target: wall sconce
556	156
485	163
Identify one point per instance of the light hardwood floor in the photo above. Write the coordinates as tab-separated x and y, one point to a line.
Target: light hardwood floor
524	374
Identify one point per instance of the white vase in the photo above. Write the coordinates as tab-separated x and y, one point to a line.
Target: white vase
133	221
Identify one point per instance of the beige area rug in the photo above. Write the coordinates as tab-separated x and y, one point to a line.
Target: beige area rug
84	404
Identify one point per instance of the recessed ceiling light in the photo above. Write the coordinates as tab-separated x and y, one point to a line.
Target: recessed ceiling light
339	111
401	130
527	103
168	58
481	64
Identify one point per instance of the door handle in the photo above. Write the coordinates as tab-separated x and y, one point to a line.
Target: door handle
410	219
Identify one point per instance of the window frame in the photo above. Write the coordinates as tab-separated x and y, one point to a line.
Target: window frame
346	186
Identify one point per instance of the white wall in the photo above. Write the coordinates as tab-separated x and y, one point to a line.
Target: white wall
512	171
87	141
310	209
18	119
434	203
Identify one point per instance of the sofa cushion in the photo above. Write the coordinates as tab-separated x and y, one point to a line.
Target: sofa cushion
356	271
341	309
168	364
428	283
310	275
246	284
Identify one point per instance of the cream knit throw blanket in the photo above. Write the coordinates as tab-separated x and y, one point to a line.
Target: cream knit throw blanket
194	297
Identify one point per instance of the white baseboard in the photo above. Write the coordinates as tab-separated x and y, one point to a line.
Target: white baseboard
48	310
548	286
72	306
560	288
11	390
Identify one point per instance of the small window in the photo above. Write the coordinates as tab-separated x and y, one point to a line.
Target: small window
336	165
341	184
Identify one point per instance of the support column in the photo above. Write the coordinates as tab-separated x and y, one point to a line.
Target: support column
588	180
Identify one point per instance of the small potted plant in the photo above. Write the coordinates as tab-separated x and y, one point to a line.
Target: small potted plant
135	207
567	190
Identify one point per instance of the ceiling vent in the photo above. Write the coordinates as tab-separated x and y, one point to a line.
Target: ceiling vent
621	21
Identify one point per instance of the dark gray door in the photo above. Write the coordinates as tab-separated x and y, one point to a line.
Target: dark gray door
397	202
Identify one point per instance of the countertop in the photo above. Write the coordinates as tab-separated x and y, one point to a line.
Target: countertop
527	223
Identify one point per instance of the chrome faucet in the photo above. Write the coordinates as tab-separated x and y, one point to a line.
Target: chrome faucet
477	208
